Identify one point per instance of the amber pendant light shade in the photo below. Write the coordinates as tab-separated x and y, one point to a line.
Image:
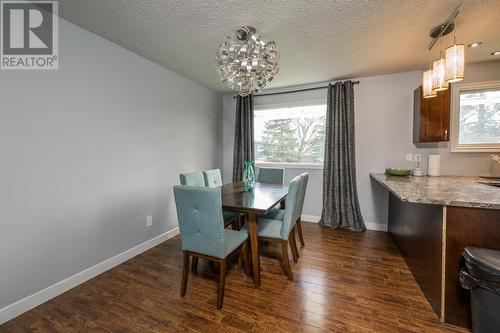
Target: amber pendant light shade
455	63
427	84
439	75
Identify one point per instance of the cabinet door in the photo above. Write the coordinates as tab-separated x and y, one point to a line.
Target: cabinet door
432	117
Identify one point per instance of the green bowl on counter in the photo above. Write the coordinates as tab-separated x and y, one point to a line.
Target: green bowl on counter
398	172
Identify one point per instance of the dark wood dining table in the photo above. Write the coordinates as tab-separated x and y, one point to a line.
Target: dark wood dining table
259	201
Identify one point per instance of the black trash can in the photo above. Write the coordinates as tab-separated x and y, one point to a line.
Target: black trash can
482	277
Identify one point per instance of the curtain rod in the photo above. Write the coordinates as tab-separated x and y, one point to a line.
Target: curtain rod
293	91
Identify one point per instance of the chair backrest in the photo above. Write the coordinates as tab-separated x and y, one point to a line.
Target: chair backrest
271	175
213	178
192	179
292	209
303	188
201	223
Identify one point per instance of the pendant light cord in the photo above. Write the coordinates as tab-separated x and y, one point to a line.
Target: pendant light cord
440	48
455	30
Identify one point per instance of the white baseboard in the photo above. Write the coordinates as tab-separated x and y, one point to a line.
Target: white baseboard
310	218
376	226
15	309
369	226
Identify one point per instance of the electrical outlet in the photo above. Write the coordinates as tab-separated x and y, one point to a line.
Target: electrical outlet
409	157
417	158
149	221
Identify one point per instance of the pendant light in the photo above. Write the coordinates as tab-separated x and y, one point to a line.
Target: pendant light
448	69
439	73
455	61
427	81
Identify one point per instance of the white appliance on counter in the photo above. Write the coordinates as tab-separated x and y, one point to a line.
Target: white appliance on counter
434	165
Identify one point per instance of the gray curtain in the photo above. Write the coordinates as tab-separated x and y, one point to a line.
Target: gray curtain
340	195
243	135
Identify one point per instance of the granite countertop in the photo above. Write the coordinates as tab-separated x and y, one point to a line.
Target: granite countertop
445	190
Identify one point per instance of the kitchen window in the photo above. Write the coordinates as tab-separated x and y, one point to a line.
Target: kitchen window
290	135
476	117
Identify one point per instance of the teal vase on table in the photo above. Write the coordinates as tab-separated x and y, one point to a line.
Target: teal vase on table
248	176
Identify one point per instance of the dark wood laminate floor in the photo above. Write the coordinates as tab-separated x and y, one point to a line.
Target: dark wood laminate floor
344	282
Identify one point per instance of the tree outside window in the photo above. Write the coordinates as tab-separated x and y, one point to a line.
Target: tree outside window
294	134
475	117
479	117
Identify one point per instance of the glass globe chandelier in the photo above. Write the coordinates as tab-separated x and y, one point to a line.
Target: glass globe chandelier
246	62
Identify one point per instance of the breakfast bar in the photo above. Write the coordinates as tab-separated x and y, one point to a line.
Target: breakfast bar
432	220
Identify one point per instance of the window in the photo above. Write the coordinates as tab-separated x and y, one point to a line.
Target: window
476	117
293	135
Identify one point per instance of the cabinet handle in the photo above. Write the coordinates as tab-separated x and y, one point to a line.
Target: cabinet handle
445	134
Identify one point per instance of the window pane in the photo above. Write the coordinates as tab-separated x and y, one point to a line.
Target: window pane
290	134
479	117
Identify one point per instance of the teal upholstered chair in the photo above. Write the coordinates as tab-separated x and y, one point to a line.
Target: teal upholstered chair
192	179
283	230
213	178
271	175
278	214
202	232
301	206
198	179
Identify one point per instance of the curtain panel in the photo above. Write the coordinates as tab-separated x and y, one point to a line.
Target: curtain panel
340	195
244	147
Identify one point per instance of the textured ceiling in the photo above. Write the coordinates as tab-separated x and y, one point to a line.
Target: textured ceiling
318	40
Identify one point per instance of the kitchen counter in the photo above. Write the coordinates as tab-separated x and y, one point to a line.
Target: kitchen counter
432	220
455	191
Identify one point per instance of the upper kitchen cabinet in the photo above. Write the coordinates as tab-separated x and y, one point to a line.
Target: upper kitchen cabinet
431	117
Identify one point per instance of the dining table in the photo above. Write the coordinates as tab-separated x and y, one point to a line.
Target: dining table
260	200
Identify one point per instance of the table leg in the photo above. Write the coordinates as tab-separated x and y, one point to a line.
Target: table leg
254	244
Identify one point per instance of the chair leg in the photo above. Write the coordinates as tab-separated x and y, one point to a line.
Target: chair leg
222	282
240	263
293	245
235	224
241	223
194	265
282	204
244	258
241	220
299	231
211	265
185	271
286	261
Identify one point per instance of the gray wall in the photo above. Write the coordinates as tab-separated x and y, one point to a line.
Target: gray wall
384	116
87	152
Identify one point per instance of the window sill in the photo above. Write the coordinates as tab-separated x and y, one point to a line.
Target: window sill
475	149
309	166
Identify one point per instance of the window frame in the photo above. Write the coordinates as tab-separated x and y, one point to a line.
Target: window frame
456	147
288	165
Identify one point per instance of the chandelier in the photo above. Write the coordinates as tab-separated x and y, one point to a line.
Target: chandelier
245	62
448	69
